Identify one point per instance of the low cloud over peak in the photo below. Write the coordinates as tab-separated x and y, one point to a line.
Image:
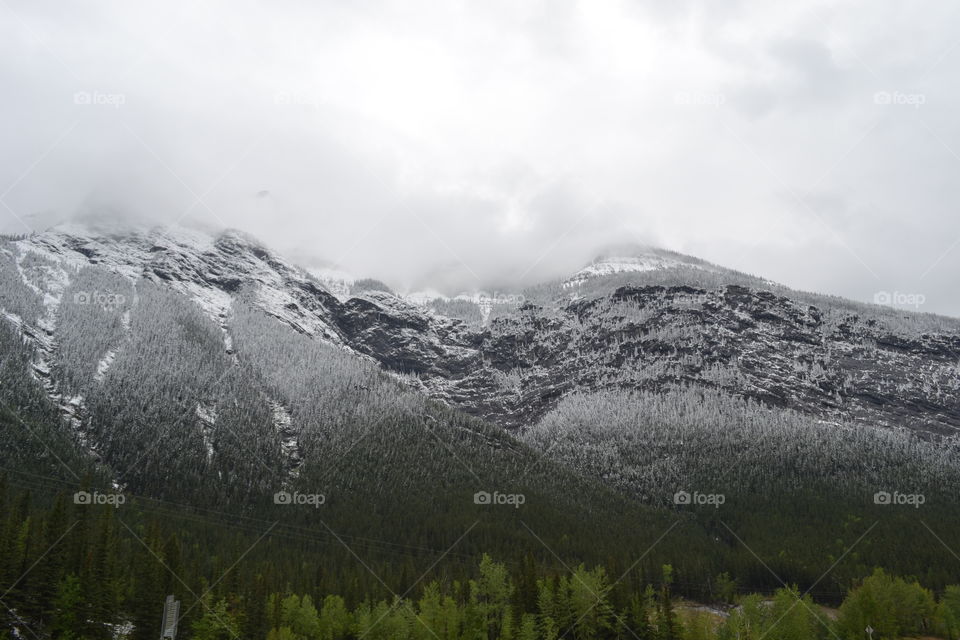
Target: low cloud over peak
460	145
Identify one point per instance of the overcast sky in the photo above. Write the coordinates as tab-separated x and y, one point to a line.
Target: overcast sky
467	144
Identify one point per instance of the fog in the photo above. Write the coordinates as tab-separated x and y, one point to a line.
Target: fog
462	145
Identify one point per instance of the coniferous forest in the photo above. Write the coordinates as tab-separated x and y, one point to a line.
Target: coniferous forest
82	571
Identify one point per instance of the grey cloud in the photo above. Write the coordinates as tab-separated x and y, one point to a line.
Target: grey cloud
461	145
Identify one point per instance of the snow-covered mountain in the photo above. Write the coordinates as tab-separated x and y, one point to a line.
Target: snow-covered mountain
96	304
209	269
671	320
635	259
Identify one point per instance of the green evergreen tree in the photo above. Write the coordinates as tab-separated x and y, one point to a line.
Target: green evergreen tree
491	594
590	604
218	622
68	610
949	612
668	628
335	619
44	577
147	598
637	616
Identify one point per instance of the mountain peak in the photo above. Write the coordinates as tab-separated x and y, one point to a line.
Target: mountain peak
640	250
634	258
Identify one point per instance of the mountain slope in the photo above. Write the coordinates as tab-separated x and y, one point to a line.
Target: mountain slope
204	370
636	319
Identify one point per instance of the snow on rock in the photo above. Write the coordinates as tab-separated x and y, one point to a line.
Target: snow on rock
424	297
71	408
13	319
652	261
228	346
49	277
211	269
740	336
207	417
289	442
104	364
338	282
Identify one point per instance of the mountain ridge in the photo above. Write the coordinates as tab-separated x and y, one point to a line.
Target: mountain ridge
213	372
662	321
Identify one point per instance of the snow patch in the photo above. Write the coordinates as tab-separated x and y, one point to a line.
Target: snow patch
208	268
49	278
424	297
13	318
627	264
289	438
207	415
104	364
215	303
336	281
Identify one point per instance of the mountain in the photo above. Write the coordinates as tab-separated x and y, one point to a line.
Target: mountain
636	259
227	345
636	318
204	370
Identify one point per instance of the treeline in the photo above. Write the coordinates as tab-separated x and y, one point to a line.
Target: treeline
87	570
580	604
90	571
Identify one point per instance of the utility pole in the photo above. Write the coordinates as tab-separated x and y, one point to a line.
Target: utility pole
171	615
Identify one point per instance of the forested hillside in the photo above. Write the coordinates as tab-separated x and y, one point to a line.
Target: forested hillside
345	447
87	571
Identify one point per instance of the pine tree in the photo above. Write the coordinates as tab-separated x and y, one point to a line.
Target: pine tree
101	583
667	625
68	610
146	602
525	596
218	622
637	616
45	575
255	603
25	549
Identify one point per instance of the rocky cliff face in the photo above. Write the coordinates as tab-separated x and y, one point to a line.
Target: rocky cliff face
835	361
836	365
748	342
